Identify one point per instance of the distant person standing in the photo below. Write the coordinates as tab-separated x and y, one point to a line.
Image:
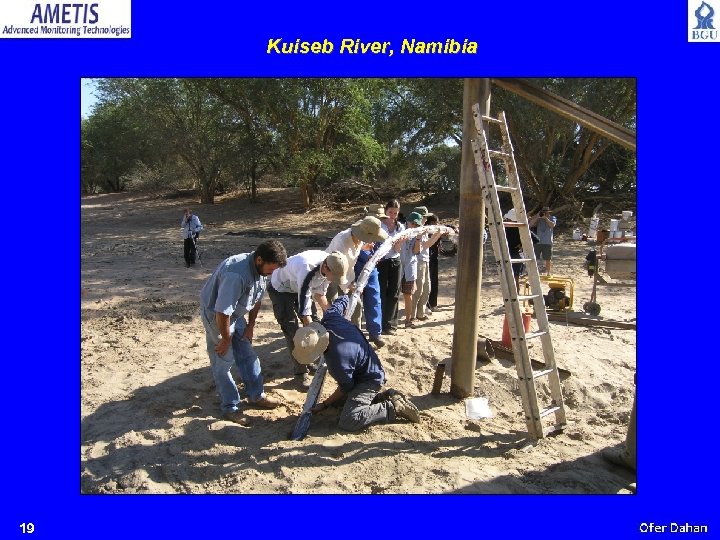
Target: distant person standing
191	228
545	223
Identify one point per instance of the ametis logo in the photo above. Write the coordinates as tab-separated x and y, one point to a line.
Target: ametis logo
700	22
93	19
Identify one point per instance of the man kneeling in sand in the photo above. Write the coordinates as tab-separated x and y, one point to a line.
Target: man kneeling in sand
356	368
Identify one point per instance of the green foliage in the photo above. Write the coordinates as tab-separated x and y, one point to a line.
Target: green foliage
318	133
559	161
438	169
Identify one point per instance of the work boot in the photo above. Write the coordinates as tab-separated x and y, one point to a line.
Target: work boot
404	408
385	395
378	341
264	403
236	417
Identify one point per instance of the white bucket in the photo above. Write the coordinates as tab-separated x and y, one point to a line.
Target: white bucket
577	234
614	224
627	214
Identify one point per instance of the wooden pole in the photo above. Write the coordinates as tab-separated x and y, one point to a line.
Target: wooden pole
470	248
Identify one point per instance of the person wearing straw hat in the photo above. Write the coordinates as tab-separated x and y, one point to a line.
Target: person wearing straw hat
356	368
350	241
292	289
545	223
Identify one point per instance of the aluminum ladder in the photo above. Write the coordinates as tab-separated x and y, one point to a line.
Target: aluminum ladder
483	156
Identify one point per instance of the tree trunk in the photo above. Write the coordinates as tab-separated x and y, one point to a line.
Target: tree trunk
207	190
253	183
305	193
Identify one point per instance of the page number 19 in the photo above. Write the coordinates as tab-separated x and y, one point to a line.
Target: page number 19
27	528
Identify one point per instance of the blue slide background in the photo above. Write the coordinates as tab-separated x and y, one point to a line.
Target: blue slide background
678	122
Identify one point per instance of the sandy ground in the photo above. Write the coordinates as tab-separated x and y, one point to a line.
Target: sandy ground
150	414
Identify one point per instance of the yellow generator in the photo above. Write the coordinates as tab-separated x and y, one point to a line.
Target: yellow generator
560	292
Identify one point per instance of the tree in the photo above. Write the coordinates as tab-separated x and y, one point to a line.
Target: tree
113	140
324	130
202	130
554	155
414	115
257	146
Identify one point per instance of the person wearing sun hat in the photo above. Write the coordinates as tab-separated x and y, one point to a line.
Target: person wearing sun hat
356	368
305	278
421	295
350	241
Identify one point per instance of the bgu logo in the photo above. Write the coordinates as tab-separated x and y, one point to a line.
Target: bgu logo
704	28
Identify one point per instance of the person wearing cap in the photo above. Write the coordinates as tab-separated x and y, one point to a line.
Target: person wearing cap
390	269
422	290
514	245
293	288
545	223
234	291
356	368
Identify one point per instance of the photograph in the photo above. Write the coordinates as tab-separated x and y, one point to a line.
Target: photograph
382	254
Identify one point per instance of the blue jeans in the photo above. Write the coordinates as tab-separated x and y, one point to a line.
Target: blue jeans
241	353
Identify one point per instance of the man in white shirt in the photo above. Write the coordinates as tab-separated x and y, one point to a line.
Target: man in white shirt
350	241
292	289
191	228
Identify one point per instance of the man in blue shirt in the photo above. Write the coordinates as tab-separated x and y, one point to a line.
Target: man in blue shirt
356	368
545	223
233	291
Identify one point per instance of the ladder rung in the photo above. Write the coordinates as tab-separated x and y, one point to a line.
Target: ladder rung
506	189
523	297
498	153
541	373
549	410
491	119
531	335
515	261
514	224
